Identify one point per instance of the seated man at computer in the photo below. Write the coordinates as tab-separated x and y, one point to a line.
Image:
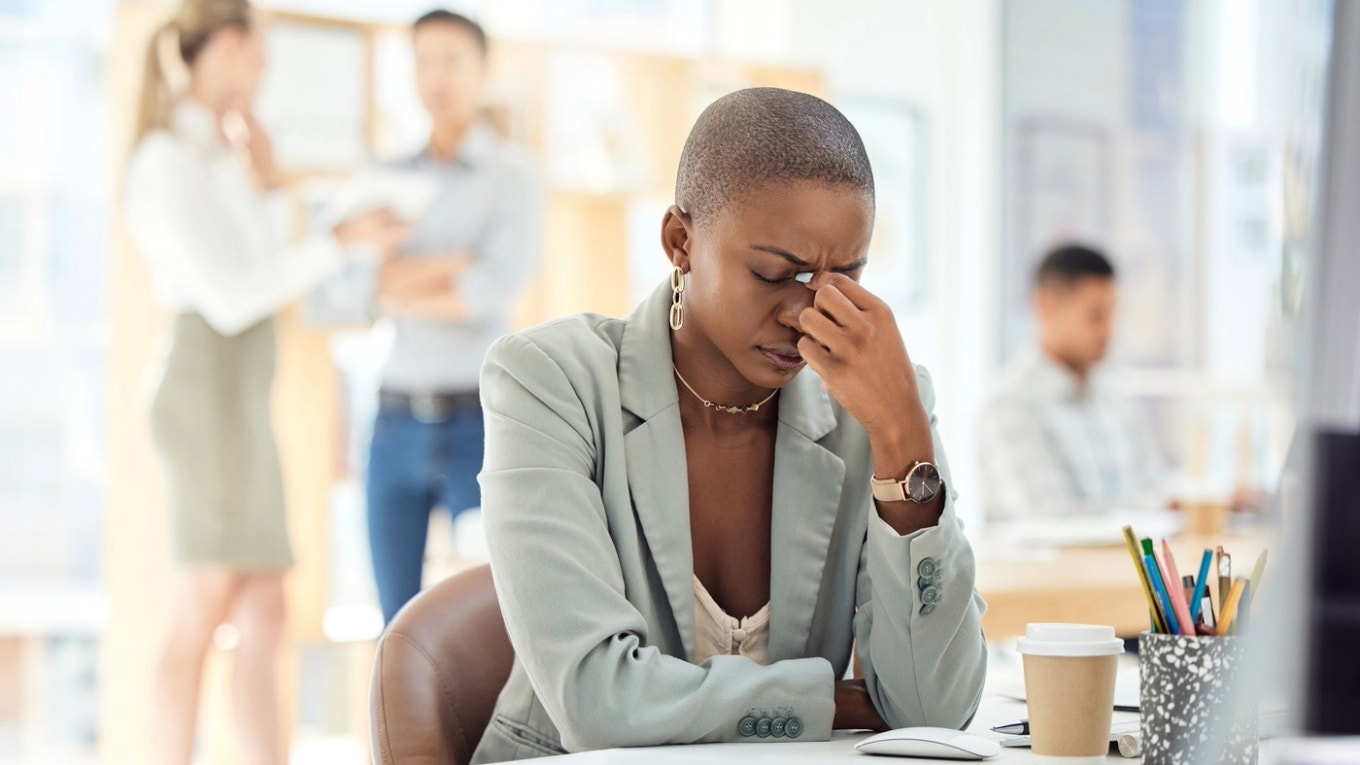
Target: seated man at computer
1054	440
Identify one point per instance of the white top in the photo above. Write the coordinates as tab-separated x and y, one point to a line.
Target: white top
1051	446
718	633
217	246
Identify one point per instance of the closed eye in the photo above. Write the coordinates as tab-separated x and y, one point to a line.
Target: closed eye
782	280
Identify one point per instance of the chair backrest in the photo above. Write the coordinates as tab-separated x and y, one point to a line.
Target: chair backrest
439	669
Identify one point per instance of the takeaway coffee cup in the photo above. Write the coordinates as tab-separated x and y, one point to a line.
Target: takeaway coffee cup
1069	685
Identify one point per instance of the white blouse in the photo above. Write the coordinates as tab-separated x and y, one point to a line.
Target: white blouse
716	632
216	245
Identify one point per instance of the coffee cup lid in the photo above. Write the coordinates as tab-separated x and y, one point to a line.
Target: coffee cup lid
1070	640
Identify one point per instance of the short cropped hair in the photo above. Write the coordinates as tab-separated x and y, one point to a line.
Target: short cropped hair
1070	263
767	135
441	16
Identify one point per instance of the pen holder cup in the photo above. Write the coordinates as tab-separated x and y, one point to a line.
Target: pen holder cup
1189	696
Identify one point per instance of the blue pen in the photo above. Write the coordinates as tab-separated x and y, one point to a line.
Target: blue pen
1169	612
1201	585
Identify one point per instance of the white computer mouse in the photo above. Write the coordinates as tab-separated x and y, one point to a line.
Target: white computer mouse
940	743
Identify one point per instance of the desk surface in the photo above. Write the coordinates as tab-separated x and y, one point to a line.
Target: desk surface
841	748
1087	585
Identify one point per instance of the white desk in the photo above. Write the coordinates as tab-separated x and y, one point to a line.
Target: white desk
841	748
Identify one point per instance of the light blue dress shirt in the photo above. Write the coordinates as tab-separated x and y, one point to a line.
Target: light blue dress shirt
489	203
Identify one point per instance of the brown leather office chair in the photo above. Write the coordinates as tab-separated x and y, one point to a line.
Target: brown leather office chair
440	666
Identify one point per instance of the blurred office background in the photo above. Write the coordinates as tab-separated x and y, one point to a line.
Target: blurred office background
1180	135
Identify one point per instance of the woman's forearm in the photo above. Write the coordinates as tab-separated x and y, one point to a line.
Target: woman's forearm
854	709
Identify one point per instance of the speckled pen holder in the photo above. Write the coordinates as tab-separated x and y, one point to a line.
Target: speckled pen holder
1189	688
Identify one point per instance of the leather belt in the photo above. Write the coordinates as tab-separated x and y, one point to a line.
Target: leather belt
431	406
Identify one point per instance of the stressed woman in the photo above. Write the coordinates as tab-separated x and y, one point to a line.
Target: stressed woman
696	514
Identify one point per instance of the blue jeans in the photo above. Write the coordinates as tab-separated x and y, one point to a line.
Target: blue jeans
414	467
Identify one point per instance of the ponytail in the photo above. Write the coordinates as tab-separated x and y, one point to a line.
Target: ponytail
154	110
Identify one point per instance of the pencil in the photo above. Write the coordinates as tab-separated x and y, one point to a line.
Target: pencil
1230	605
1177	593
1159	584
1158	624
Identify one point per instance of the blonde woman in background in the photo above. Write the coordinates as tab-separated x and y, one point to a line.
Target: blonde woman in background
204	209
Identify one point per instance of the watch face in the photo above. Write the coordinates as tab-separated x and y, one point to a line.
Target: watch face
924	483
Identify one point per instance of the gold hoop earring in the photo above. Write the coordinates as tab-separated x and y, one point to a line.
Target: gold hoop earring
677	289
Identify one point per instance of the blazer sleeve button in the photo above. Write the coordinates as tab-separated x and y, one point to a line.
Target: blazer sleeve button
794	727
927	568
763	727
747	726
777	727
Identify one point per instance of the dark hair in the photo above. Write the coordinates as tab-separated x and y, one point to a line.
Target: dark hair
441	16
1071	263
764	135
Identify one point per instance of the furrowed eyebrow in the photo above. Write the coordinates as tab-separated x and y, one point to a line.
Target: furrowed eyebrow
847	268
797	261
785	254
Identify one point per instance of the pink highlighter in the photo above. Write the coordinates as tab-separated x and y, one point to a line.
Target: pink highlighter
1177	594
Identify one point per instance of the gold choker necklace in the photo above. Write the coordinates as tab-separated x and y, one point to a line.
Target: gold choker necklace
728	409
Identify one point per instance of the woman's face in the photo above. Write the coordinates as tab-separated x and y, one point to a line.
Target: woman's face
232	64
741	297
249	65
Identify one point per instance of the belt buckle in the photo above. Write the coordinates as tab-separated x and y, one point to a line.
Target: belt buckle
425	408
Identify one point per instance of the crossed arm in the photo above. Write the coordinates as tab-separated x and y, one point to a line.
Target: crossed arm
424	287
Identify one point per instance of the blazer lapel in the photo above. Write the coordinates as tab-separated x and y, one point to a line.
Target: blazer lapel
655	450
807	490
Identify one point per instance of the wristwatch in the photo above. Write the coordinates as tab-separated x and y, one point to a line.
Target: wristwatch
922	485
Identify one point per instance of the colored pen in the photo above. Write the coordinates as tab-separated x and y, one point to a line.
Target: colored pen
1230	606
1177	592
1158	624
1019	728
1201	593
1158	584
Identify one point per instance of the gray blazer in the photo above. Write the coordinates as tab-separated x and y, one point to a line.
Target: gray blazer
585	499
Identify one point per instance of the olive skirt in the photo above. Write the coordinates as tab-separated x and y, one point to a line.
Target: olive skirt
211	425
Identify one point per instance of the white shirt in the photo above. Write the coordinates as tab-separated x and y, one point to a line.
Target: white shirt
718	633
217	246
1051	446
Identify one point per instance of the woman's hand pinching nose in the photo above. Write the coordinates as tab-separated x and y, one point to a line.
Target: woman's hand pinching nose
851	340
